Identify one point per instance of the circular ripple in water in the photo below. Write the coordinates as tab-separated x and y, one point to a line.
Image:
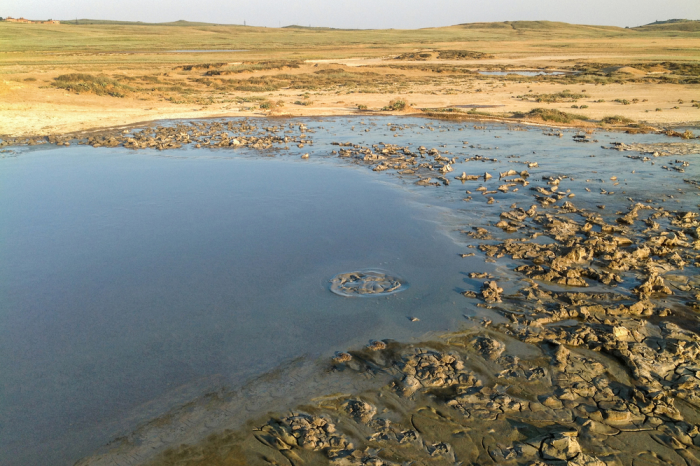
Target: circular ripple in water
367	283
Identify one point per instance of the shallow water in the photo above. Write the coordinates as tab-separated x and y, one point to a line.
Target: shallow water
132	282
126	275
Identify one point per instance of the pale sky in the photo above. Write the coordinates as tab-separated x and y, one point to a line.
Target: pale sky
359	13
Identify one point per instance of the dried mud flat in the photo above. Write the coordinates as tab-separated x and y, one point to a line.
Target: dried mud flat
589	356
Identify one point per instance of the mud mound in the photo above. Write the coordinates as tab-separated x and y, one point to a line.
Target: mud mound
366	283
623	69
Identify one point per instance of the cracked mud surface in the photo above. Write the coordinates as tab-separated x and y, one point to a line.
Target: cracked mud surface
586	350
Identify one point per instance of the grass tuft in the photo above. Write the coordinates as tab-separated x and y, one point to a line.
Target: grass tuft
548	114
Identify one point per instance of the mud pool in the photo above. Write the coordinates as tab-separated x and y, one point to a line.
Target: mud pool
133	282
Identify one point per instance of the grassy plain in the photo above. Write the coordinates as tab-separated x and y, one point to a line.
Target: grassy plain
60	78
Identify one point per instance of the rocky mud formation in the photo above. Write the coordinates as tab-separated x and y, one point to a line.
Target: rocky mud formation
658	149
204	134
456	401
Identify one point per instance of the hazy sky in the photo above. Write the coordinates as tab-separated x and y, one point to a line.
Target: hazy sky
359	13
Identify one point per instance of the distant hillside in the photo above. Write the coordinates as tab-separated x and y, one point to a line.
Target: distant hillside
138	23
671	21
320	28
544	26
98	35
687	25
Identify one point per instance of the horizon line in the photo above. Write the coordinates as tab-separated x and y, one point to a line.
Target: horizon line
78	20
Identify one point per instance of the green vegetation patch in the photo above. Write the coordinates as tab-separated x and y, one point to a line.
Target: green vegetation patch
396	105
200	66
254	66
548	114
445	55
462	55
332	79
687	25
269	105
89	84
616	120
419	56
563	96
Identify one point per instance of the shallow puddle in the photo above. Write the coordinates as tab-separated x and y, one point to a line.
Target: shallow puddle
133	282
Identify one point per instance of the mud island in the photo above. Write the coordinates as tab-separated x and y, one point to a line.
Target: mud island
550	192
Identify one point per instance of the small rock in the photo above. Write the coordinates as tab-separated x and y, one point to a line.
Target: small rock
560	447
341	357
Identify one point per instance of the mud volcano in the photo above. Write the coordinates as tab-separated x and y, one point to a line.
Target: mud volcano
367	283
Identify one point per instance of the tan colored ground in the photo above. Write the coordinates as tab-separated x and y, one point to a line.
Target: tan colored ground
31	105
26	109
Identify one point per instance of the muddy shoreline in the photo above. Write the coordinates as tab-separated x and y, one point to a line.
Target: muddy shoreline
646	126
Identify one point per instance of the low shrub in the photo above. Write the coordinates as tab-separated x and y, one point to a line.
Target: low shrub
87	83
416	56
248	67
200	66
547	114
563	96
616	120
396	105
462	55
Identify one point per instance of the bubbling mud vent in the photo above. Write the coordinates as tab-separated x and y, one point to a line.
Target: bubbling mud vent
366	283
